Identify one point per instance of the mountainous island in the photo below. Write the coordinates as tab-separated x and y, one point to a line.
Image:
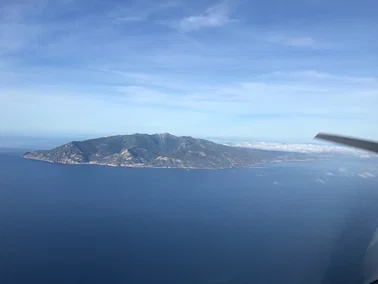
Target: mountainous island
158	151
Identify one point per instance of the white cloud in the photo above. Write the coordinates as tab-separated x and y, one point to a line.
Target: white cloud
300	148
366	175
302	41
329	174
215	16
318	180
276	183
371	173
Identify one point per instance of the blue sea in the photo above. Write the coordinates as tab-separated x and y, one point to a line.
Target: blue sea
305	222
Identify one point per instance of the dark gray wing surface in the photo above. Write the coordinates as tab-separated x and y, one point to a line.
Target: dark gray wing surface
371	255
349	141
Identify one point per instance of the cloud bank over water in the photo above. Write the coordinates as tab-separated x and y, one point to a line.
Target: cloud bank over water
303	148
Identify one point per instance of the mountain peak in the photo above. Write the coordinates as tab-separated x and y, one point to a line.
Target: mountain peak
165	134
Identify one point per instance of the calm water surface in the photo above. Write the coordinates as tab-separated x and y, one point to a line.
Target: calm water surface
287	223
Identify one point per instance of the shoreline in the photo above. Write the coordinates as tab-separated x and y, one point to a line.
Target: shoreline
141	166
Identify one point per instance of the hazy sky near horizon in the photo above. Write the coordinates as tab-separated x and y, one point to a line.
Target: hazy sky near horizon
272	69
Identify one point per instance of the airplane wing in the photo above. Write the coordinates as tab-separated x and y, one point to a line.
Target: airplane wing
371	146
371	255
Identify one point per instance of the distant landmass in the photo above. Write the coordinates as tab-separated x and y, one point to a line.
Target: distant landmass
158	151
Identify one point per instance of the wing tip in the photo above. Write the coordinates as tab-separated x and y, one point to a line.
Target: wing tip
368	145
321	135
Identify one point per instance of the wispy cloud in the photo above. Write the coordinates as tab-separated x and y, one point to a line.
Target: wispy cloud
299	41
141	11
302	148
276	183
251	107
366	175
318	180
215	16
323	77
117	59
129	18
243	95
370	171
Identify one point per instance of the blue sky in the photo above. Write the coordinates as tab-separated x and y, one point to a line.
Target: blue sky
273	70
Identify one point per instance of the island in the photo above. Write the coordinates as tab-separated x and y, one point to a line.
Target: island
158	151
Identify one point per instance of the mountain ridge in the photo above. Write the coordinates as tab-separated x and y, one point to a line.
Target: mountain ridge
162	150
